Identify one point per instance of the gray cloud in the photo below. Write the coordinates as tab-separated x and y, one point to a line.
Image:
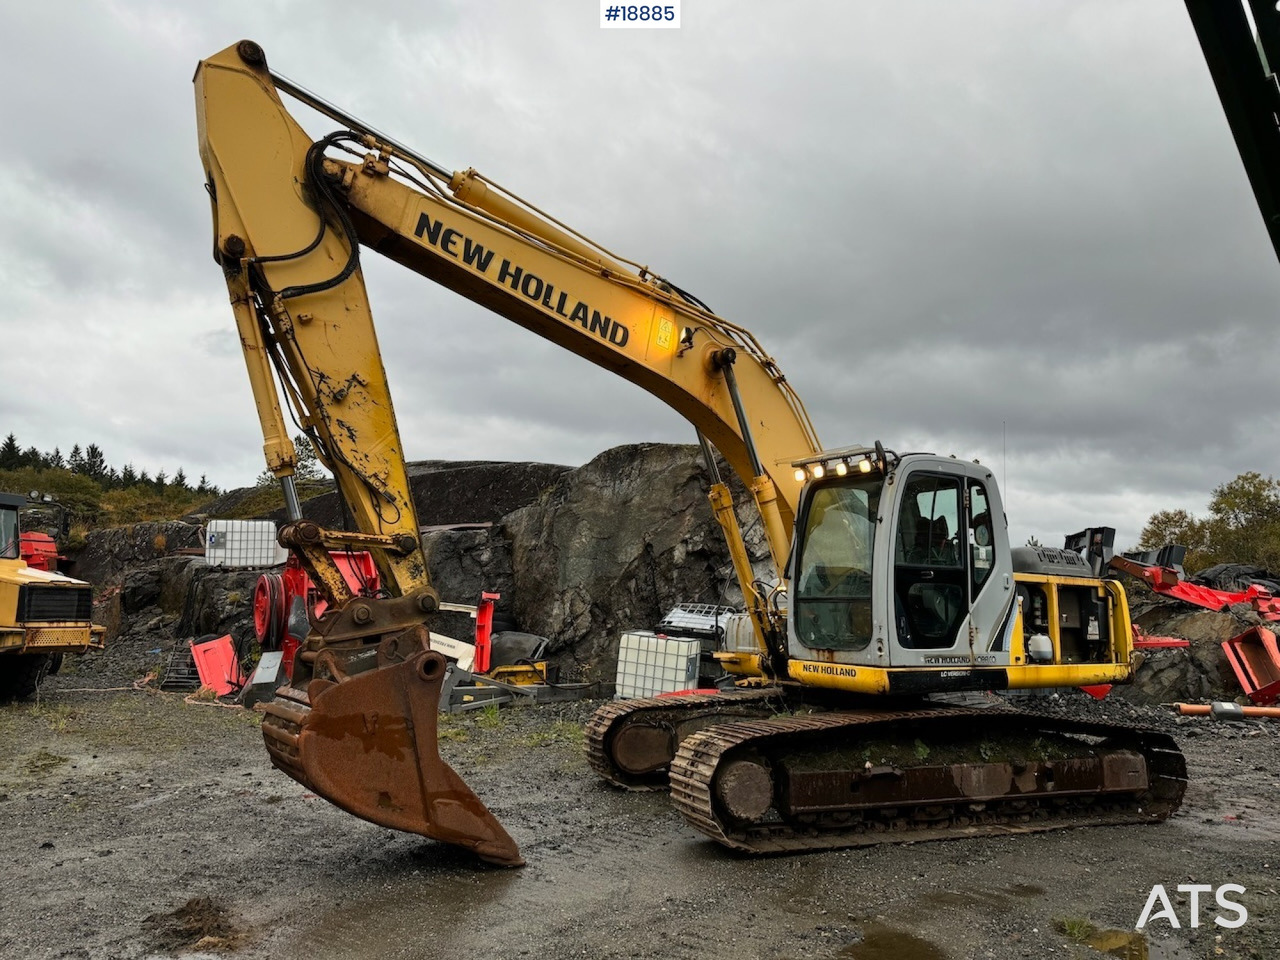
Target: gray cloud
949	222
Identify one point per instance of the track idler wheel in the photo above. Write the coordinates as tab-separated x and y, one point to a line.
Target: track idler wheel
368	744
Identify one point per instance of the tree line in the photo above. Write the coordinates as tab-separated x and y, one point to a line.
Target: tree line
94	492
1242	526
91	462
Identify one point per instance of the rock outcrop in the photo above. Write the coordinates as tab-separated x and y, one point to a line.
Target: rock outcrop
606	547
447	492
1196	672
612	546
462	564
111	553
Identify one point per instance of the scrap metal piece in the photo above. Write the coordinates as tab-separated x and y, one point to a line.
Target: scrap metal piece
218	666
1255	659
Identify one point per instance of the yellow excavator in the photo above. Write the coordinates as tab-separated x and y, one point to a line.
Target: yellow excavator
893	577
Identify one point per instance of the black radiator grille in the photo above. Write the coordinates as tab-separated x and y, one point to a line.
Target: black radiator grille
44	604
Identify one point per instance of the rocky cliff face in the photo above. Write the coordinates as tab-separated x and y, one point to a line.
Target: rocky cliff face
1199	671
612	546
608	547
154	601
446	491
109	554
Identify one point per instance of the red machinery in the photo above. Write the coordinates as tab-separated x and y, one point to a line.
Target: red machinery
274	595
1167	581
40	551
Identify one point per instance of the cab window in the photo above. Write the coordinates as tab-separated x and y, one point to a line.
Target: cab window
982	540
9	534
833	579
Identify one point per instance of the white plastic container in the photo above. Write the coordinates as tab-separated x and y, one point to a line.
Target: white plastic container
739	634
649	664
240	544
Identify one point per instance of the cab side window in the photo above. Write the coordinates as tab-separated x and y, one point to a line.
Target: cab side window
929	527
982	540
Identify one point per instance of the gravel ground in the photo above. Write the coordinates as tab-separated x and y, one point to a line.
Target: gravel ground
140	825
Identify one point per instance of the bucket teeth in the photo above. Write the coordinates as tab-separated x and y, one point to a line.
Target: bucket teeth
368	745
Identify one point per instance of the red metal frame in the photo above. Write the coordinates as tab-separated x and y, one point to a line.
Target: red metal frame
1143	642
1165	580
274	593
217	665
1255	659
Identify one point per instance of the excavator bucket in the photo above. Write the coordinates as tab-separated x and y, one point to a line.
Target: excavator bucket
368	744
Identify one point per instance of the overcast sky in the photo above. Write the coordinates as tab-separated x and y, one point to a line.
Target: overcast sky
949	221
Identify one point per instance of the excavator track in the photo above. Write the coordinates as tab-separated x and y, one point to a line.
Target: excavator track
631	743
798	783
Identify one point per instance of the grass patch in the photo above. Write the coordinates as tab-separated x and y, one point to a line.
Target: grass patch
451	727
57	717
489	717
560	732
42	762
1076	929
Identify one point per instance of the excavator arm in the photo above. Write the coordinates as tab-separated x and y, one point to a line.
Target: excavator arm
358	723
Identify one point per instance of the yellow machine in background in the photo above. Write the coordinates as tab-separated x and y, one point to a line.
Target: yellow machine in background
43	614
892	579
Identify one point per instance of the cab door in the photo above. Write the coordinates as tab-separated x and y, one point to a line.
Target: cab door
930	573
952	596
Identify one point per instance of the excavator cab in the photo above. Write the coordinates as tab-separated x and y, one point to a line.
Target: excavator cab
899	563
903	581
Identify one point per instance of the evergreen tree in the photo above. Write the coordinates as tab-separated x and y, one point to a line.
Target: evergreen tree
95	464
127	476
180	480
203	486
10	454
308	465
55	460
31	457
161	480
144	478
76	460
